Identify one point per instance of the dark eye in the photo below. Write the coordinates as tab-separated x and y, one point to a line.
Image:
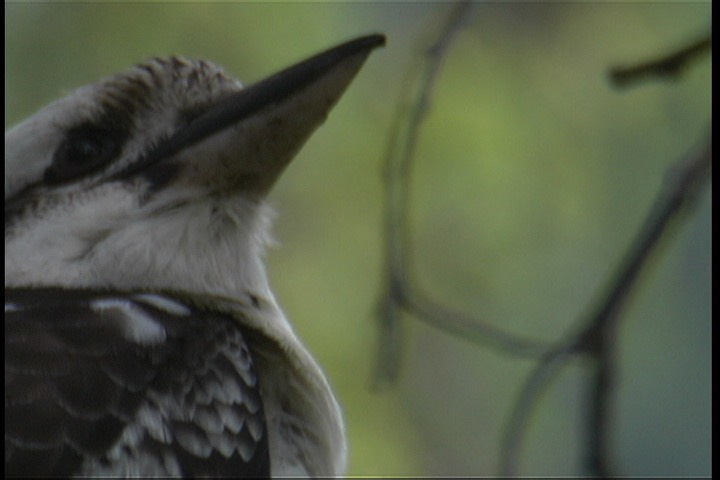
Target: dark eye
86	149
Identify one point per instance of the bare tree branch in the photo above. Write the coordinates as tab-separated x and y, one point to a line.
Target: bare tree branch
398	293
398	160
683	183
527	399
594	336
470	329
668	66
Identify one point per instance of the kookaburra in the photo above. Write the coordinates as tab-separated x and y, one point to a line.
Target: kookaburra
141	334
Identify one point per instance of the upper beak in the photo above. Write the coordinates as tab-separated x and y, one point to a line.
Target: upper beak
251	135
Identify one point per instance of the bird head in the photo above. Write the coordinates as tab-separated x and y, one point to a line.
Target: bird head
156	177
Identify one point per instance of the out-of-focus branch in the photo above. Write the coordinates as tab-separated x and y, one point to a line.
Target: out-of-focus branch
596	337
471	329
683	183
668	66
398	294
534	386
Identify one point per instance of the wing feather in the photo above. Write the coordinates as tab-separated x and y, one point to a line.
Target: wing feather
117	384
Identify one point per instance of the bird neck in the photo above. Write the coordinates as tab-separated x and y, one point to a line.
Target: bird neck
211	247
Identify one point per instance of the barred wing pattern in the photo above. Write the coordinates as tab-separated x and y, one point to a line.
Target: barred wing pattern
122	384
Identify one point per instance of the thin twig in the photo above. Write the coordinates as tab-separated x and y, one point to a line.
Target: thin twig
600	409
527	399
399	294
470	329
596	336
668	66
398	160
683	183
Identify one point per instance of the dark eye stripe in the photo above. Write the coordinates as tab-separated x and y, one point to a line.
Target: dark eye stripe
86	148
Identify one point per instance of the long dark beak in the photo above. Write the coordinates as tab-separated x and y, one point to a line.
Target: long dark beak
276	115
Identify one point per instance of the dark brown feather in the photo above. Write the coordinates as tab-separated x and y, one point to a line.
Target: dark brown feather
80	379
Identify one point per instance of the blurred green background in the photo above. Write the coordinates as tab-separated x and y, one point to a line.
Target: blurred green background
532	176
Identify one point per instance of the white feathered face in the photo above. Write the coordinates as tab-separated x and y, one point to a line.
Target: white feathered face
139	173
113	125
72	205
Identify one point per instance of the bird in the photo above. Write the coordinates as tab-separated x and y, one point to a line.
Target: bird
142	336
